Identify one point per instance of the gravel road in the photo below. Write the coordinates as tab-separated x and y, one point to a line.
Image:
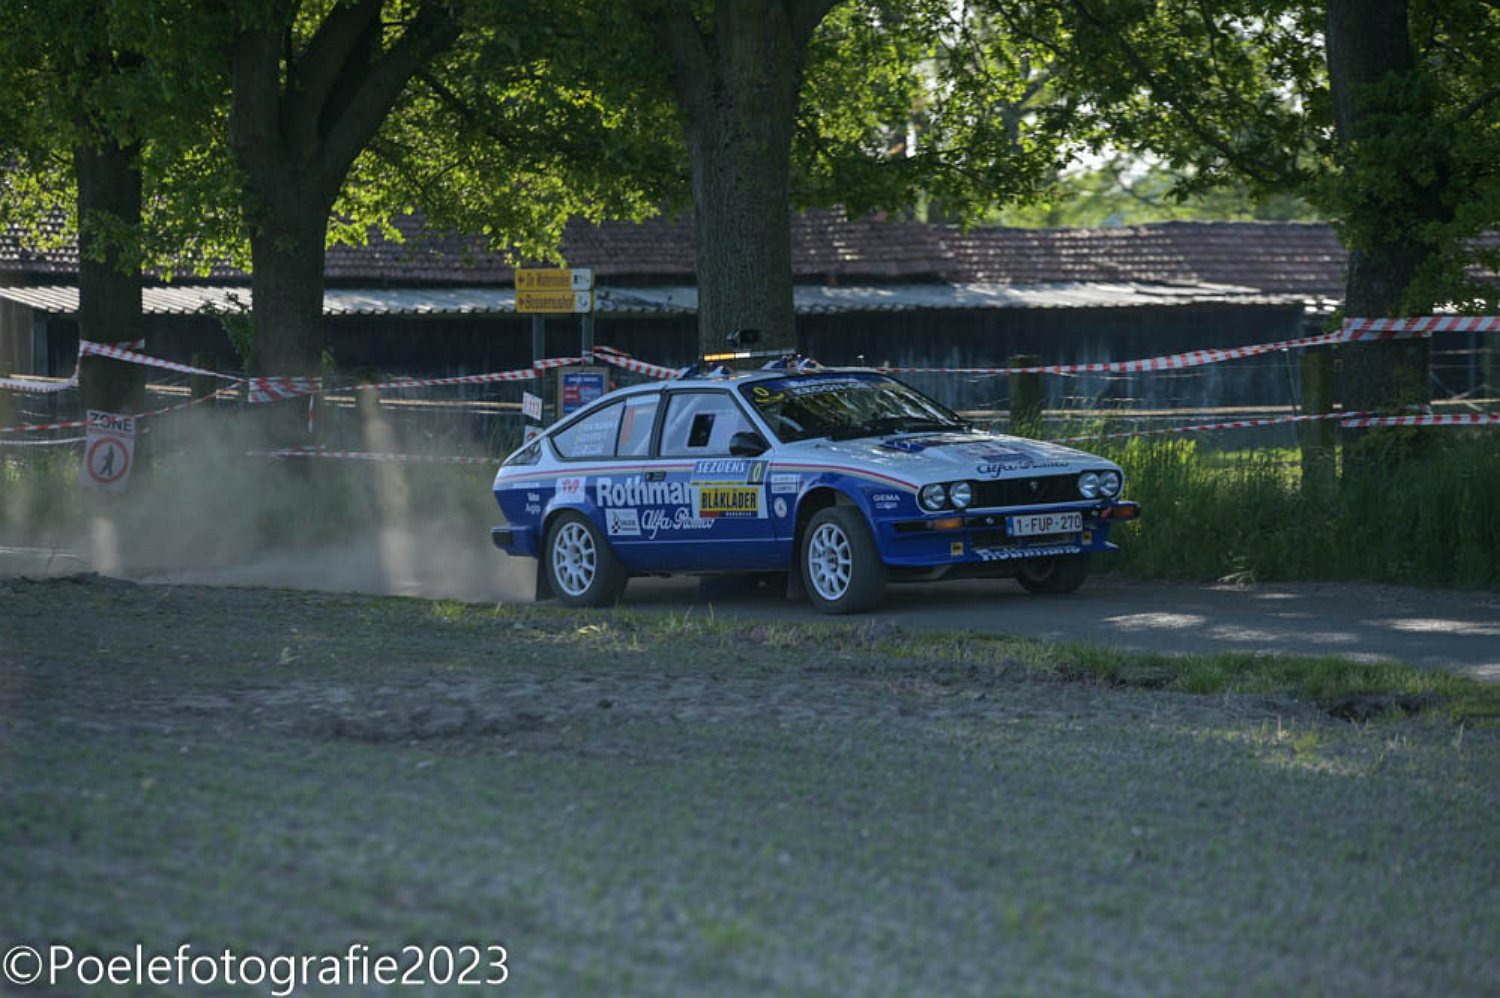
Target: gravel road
1444	629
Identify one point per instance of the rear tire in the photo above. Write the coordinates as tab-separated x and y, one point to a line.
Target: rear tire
1051	576
581	568
841	567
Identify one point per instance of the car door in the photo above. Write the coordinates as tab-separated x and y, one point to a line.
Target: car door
602	456
708	509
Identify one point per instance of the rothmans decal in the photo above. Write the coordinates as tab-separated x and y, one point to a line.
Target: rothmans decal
636	491
1011	554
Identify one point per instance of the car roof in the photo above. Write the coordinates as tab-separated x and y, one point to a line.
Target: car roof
725	376
721	377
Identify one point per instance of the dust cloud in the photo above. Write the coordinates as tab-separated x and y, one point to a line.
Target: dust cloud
206	506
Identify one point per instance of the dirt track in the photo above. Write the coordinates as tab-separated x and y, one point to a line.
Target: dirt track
1446	629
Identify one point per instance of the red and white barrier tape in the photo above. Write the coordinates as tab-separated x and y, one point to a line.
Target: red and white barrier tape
343	455
1170	362
38	387
1417	326
42	427
42	443
631	364
1363	420
76	423
87	348
282	388
1234	424
523	374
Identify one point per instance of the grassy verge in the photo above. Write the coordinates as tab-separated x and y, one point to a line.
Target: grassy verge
1353	690
1435	520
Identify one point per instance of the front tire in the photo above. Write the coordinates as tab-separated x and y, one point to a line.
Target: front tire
841	567
1051	576
581	568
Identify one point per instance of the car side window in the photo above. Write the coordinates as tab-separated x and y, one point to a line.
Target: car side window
635	425
592	436
700	424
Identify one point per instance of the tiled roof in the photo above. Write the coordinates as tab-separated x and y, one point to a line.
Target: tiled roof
656	299
1284	257
1273	257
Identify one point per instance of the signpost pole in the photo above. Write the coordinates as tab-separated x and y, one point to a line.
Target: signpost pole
538	351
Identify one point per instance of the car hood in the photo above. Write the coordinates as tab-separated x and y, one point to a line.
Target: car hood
937	457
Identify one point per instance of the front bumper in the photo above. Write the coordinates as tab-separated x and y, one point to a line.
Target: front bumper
982	537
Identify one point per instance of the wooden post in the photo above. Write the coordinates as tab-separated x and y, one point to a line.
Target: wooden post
1489	370
202	385
7	399
1318	437
1025	398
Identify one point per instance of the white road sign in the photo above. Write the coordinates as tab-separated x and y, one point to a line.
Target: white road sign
108	451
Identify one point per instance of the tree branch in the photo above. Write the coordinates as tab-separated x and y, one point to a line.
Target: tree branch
1478	103
805	16
340	49
372	96
679	34
1168	96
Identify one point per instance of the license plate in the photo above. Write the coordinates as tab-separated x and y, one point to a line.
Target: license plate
1032	524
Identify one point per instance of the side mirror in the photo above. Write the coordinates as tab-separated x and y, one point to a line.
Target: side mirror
748	443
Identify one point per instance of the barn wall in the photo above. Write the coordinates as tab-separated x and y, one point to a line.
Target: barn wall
1068	336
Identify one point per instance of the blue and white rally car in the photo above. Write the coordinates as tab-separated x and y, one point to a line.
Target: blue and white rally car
844	479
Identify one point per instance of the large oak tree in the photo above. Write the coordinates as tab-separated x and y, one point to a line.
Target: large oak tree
307	99
1384	114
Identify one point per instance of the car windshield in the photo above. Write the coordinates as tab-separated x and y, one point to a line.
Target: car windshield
844	406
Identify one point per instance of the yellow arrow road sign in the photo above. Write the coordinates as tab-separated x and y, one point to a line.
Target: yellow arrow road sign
555	279
554	301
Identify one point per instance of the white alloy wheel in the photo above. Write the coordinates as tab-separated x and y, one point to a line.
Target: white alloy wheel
581	568
575	558
830	563
841	566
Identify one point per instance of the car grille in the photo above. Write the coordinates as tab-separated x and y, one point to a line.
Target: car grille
1029	491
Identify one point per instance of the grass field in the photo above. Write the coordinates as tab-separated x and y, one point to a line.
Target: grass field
669	805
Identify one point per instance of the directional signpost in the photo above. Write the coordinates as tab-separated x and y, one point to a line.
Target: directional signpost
554	302
555	291
541	292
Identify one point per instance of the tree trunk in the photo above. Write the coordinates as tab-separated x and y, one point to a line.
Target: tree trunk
286	254
109	275
1369	42
297	122
737	89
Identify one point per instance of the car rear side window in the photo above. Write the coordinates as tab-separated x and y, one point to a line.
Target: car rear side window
635	427
592	436
699	424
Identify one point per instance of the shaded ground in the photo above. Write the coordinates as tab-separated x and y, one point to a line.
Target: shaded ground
658	803
1455	630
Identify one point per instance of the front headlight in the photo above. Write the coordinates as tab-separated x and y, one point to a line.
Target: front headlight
933	497
961	494
1109	483
1088	485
